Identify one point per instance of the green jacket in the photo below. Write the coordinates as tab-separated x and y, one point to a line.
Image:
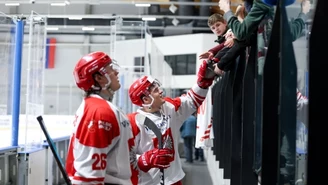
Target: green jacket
251	22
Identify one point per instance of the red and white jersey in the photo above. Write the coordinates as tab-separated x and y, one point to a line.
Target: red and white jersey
301	100
171	117
101	146
204	131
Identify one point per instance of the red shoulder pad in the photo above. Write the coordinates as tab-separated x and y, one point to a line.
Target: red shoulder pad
132	119
176	102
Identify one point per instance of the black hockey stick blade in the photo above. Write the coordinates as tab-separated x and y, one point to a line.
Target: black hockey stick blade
54	150
152	126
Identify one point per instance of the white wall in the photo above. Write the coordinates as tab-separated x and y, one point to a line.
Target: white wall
185	44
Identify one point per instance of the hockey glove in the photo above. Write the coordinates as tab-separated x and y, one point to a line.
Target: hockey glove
205	75
156	158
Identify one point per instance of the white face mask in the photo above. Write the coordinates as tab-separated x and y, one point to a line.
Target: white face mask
156	86
114	65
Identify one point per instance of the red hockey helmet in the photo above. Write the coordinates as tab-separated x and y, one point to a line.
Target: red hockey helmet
87	66
141	88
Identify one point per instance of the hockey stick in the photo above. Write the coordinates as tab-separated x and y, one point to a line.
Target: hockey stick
54	150
152	126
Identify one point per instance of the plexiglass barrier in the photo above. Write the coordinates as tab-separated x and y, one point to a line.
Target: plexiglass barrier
129	49
7	45
30	133
293	138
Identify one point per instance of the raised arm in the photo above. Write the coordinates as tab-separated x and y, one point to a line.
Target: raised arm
251	21
183	106
297	25
257	14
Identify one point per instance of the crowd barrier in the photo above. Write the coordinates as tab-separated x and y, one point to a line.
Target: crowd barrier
259	130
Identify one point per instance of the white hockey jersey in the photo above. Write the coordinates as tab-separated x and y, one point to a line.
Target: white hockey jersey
204	131
101	146
173	113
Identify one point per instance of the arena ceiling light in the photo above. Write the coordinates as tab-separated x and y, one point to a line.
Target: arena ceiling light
88	28
142	5
52	28
75	18
11	4
58	4
149	18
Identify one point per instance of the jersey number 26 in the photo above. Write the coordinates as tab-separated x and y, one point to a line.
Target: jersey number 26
100	161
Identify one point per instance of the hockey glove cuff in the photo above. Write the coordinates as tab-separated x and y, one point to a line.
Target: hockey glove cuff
156	158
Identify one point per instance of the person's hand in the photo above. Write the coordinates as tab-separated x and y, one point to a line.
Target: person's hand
218	71
206	55
225	5
205	75
305	6
156	158
228	34
229	42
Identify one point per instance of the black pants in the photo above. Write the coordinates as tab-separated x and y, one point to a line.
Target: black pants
199	154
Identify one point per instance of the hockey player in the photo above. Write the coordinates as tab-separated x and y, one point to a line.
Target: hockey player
101	145
168	114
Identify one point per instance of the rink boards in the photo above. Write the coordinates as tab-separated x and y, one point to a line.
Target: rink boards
30	131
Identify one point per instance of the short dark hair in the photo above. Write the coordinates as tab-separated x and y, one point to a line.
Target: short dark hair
215	18
91	90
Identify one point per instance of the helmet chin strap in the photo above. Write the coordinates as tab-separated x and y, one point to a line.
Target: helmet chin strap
107	88
148	106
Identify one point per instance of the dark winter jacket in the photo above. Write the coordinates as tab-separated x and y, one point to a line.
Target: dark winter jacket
253	19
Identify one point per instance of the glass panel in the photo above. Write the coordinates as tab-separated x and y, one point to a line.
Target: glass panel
7	39
30	132
139	64
127	52
293	172
182	64
160	69
294	11
181	67
292	164
191	64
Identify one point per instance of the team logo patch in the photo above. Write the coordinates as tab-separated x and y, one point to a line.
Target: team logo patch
125	123
104	125
91	127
